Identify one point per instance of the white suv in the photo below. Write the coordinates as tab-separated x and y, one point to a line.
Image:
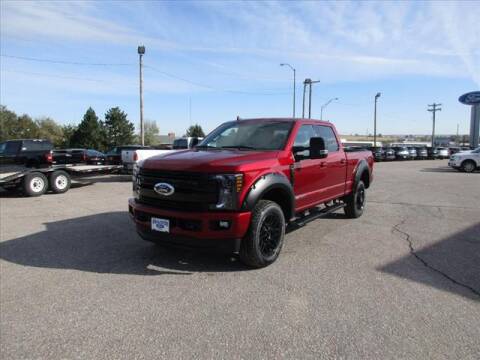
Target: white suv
466	161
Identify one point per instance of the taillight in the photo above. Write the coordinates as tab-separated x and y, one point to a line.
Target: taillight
135	156
84	156
49	157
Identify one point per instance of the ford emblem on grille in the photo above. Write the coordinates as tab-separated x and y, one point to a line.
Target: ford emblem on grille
164	189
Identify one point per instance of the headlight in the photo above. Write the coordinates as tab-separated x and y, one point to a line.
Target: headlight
136	179
229	186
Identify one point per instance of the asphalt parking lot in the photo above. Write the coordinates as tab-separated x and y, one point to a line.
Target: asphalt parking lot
403	281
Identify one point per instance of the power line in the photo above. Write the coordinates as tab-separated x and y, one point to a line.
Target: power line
52	76
208	86
52	61
173	76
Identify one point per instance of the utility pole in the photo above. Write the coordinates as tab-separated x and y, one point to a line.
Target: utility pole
305	82
310	96
457	139
433	108
294	85
141	52
375	121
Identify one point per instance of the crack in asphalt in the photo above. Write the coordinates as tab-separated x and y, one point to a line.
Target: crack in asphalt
426	264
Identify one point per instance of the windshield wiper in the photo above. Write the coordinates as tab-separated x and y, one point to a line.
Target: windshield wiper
240	147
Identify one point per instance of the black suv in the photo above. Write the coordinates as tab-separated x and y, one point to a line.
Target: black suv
29	152
378	153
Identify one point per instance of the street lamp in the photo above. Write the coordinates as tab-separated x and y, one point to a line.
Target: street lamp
324	106
375	121
141	52
294	76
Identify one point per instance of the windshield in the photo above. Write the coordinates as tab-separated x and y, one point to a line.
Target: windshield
476	151
249	135
2	147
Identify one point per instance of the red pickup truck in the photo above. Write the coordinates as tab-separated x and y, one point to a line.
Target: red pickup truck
244	183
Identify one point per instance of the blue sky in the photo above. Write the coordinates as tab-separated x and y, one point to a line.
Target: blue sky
414	53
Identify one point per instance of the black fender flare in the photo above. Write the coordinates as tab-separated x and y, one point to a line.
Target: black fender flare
361	168
267	183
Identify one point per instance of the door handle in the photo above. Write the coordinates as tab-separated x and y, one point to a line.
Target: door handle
323	164
343	161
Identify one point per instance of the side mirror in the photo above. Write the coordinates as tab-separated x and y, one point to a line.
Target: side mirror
317	148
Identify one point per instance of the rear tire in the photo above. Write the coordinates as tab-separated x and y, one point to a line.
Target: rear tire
356	201
60	182
35	184
469	166
264	240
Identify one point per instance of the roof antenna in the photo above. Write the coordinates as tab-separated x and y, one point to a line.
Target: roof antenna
238	117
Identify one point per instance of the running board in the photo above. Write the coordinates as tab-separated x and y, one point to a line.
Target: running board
318	214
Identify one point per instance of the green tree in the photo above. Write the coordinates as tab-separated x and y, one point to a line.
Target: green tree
89	132
8	119
118	130
25	128
151	132
49	129
68	131
195	131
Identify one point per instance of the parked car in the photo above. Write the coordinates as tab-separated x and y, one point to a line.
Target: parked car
443	153
78	156
389	154
412	153
432	153
241	186
422	153
26	152
401	153
114	156
378	153
467	161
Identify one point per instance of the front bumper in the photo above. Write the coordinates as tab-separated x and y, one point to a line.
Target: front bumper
191	229
454	163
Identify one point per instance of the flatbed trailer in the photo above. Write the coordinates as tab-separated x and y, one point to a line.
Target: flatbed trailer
57	178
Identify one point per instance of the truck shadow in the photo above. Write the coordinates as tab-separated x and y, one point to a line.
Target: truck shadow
107	243
452	264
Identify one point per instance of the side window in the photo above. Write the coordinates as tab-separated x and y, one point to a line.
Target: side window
12	147
326	132
303	139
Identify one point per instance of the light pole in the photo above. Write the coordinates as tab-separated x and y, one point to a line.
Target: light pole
294	80
324	106
141	52
310	96
305	82
375	121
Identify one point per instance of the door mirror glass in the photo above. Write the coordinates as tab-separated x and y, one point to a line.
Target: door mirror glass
317	148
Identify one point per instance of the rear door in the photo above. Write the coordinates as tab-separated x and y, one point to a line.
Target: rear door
334	166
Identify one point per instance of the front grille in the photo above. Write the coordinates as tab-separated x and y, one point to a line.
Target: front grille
193	191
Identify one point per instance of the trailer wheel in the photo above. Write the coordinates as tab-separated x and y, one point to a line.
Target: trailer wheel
35	184
60	182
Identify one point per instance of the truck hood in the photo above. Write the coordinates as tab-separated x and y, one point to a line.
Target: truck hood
215	161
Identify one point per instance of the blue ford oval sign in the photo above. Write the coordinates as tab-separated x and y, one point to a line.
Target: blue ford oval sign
471	98
164	189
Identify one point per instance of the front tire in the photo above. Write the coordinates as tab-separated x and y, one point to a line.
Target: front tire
60	182
264	240
35	184
355	202
469	166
